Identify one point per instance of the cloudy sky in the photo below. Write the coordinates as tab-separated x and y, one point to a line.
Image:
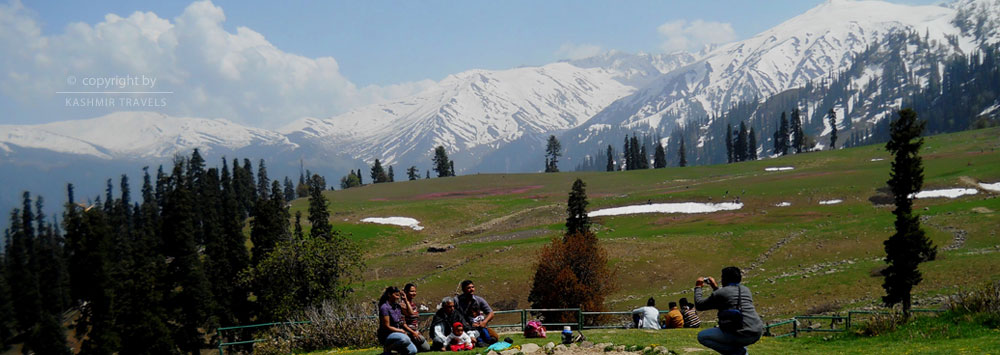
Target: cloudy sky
266	63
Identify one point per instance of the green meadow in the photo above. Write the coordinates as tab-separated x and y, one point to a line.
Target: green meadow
803	258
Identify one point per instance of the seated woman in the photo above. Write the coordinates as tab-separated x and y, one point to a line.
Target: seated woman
442	323
393	334
411	316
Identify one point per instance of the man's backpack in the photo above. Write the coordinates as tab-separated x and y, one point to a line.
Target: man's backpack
534	329
731	320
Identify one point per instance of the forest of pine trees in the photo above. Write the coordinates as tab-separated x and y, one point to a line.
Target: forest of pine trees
163	272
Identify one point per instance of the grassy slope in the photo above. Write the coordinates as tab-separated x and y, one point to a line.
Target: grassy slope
827	254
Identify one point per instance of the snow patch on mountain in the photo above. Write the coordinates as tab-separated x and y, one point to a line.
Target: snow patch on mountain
138	135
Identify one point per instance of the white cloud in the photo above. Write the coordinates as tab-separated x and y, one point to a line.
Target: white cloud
682	35
240	76
573	51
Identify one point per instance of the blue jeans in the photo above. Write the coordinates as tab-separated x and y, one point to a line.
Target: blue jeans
399	342
725	343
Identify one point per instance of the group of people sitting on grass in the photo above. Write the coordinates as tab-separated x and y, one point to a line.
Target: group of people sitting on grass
648	317
461	322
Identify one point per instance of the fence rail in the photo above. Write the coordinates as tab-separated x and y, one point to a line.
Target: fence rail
847	320
525	316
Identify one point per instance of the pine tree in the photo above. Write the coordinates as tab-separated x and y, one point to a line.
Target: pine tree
627	150
190	298
289	190
451	168
7	323
740	147
361	180
319	216
611	159
752	145
908	246
263	182
392	175
781	140
833	128
660	157
682	159
730	157
412	173
798	142
553	150
378	173
643	158
23	266
428	175
442	165
637	158
577	221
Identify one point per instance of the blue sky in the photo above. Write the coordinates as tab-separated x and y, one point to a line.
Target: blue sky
266	63
387	42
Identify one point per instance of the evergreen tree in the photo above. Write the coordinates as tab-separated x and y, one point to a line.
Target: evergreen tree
298	234
7	323
611	159
189	298
730	157
577	221
833	128
263	182
289	190
349	181
319	216
627	150
553	150
22	263
798	141
644	158
88	244
361	180
752	145
660	157
442	165
781	136
682	159
637	158
908	246
428	175
392	175
740	147
451	167
412	173
378	173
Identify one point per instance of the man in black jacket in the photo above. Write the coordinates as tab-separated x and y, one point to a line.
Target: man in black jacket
731	296
442	321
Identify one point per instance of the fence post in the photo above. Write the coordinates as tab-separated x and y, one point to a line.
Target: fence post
219	331
795	327
524	319
847	326
579	315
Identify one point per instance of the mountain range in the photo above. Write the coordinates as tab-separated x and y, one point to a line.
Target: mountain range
498	120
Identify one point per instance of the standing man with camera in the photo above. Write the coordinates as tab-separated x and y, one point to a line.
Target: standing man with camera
739	324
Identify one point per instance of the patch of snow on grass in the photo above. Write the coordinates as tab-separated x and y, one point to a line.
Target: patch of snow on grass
877	159
683	207
396	221
830	202
949	193
783	204
780	168
995	187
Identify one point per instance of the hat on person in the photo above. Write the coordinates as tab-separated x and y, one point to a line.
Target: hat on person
456	325
567	329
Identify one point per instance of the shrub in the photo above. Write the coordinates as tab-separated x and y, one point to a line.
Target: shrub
983	301
336	325
881	324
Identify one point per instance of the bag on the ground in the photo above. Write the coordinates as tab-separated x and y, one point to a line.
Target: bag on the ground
731	320
534	329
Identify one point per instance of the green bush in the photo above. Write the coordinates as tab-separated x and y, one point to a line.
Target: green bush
334	325
983	303
881	324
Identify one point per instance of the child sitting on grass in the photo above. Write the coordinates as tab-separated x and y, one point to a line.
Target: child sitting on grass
458	340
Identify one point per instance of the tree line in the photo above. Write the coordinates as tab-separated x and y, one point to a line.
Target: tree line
158	275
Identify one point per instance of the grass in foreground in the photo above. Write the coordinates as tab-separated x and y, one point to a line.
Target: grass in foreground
945	334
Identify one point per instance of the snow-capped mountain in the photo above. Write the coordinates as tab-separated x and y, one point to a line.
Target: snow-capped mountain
471	111
138	135
815	45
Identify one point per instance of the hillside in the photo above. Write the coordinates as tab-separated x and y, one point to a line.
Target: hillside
800	258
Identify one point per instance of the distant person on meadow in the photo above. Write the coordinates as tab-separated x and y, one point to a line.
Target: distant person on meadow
674	318
739	324
444	319
411	316
467	302
691	319
393	333
646	317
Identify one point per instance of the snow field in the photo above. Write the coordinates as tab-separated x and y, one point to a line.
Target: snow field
682	207
396	221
